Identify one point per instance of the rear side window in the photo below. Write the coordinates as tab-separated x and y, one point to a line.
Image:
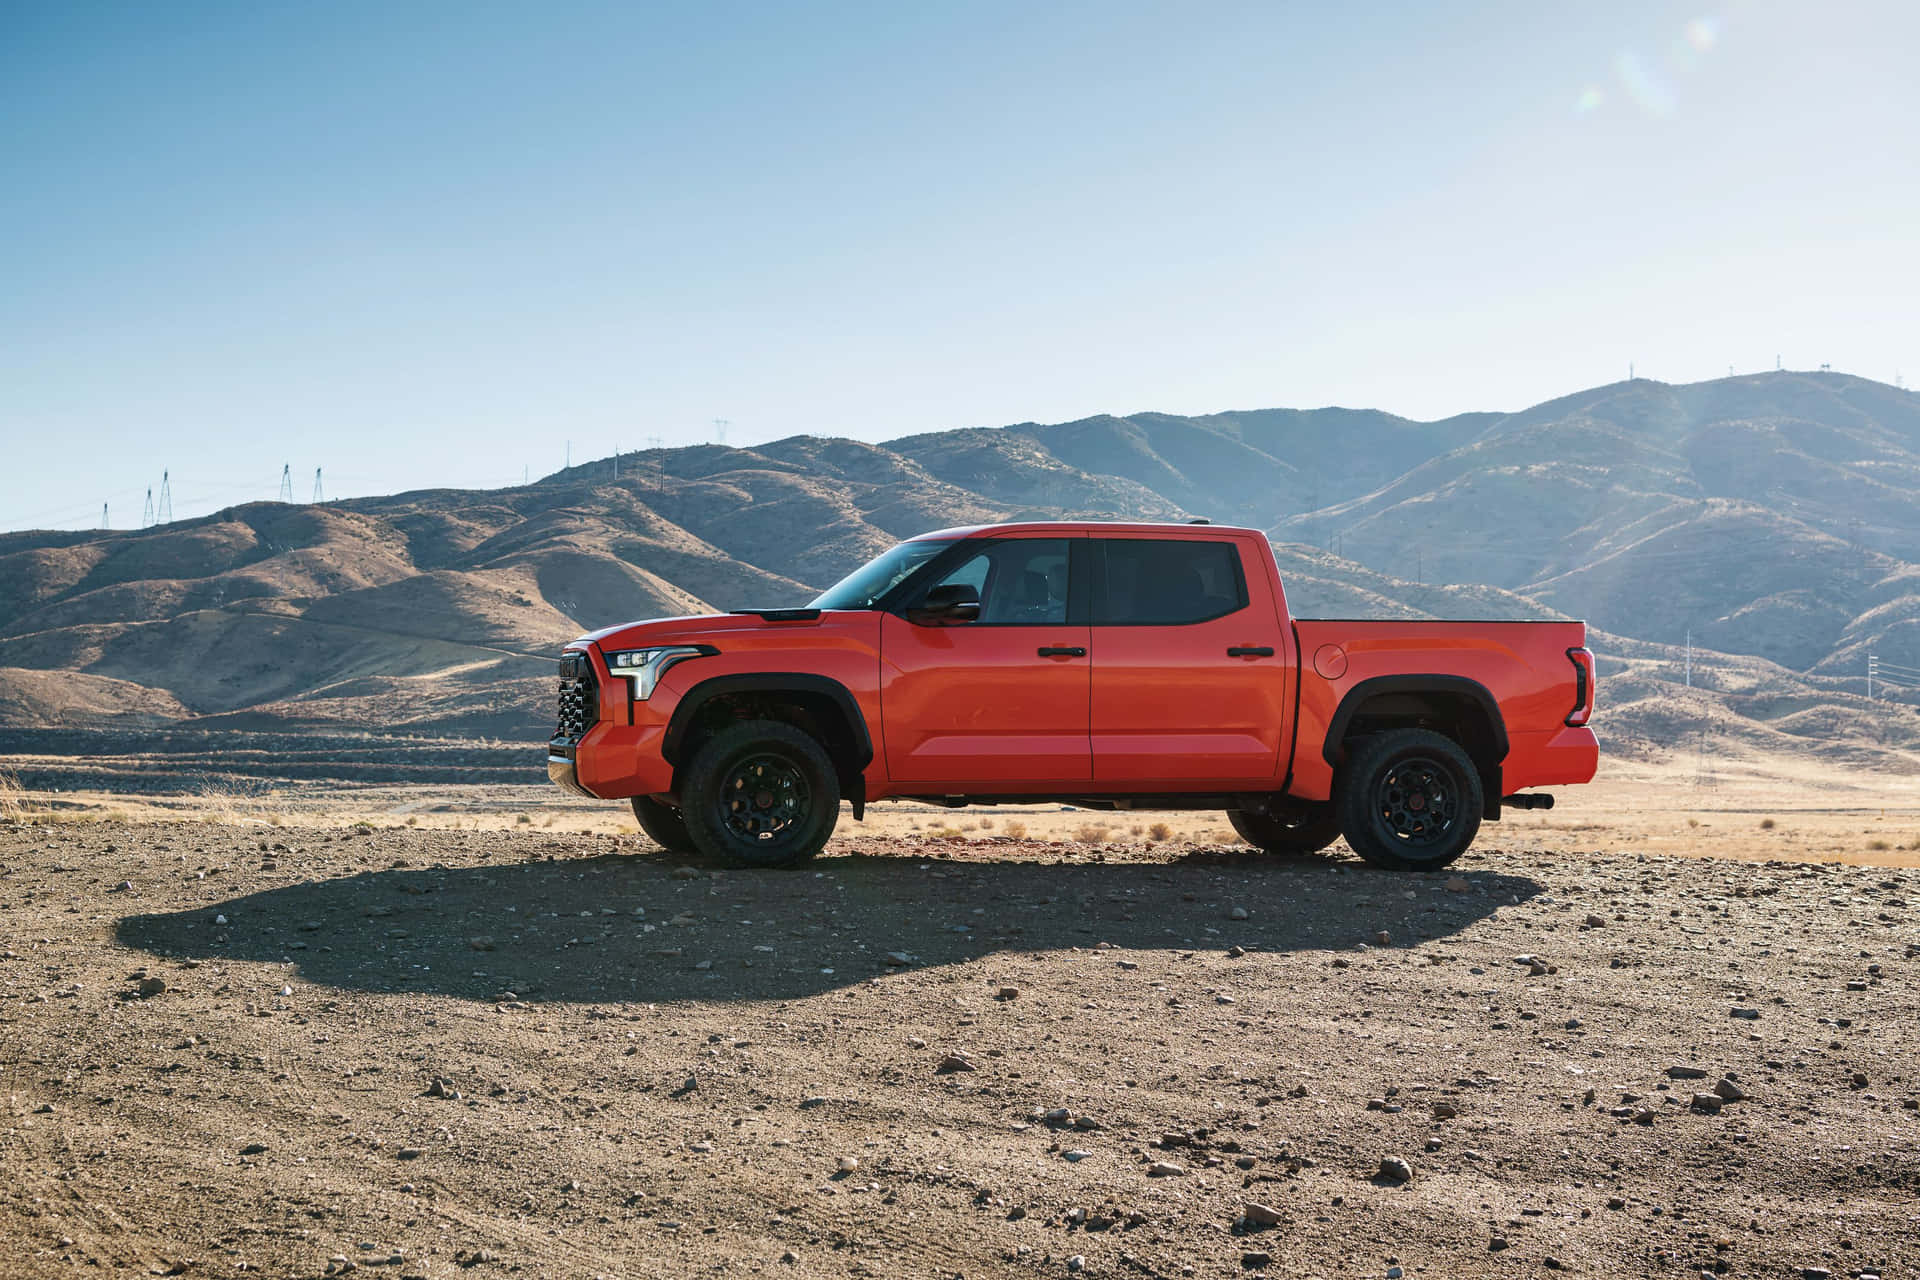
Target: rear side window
1166	582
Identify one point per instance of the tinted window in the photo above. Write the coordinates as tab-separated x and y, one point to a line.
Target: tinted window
1020	580
1167	581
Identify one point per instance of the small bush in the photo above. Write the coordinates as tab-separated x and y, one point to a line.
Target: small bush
1878	846
1693	822
1015	830
986	824
946	833
524	820
1092	833
1160	831
1766	824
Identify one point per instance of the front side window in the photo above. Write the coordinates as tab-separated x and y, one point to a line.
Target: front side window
1167	582
1020	580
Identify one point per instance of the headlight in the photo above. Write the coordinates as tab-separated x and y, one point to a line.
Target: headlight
645	666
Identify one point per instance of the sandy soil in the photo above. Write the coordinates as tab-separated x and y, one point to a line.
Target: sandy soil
523	1049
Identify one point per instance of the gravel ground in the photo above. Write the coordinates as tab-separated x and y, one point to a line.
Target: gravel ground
433	1053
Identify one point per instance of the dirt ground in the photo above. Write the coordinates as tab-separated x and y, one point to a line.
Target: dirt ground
300	1035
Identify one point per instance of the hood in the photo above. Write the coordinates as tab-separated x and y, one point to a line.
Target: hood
653	632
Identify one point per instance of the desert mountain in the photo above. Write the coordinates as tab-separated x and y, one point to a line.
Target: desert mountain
1773	517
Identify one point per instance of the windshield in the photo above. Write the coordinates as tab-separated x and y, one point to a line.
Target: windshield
859	589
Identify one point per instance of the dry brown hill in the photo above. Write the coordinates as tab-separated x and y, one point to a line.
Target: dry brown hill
1772	516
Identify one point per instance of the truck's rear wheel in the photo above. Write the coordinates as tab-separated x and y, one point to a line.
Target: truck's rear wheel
663	824
1305	830
760	793
1409	800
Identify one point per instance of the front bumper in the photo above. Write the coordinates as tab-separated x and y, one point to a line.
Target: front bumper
561	771
613	761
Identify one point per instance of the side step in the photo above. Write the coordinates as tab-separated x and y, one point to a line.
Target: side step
1528	801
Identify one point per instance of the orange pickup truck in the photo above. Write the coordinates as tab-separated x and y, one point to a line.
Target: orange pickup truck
1109	666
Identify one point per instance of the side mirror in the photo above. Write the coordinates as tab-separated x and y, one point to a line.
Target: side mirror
949	602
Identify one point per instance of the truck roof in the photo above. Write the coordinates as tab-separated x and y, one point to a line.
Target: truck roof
1079	526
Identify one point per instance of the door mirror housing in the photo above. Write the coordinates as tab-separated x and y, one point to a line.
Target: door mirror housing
947	603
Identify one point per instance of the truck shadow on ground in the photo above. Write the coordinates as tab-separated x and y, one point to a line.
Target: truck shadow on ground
652	928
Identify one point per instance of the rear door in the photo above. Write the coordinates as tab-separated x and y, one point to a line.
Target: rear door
1190	663
1000	703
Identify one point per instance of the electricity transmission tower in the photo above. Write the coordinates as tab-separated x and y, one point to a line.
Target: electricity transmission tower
286	482
319	493
163	513
720	426
146	513
103	517
655	445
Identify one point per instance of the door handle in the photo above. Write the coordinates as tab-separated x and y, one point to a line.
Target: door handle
1062	651
1250	651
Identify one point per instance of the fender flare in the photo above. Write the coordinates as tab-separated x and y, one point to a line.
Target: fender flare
767	682
1435	682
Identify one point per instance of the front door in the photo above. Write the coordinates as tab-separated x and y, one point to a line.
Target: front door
998	704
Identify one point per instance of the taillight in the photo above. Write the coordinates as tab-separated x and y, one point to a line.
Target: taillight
1582	660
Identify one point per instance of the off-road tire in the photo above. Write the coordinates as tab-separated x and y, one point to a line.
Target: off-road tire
1303	831
1408	800
760	793
663	824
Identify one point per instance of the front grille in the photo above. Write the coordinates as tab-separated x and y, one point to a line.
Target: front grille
579	697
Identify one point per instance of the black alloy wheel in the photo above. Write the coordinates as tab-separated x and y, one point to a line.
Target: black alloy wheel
1409	800
763	796
760	793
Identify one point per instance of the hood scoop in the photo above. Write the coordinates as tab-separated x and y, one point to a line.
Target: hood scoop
782	615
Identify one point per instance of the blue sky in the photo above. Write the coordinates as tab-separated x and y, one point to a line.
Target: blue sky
427	243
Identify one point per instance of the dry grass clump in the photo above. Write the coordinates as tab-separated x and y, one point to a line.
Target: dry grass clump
1159	831
1879	846
946	833
1093	833
1015	830
15	801
1766	824
239	803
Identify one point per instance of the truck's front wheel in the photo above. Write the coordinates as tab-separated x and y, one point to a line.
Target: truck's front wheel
760	793
1306	830
1409	800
